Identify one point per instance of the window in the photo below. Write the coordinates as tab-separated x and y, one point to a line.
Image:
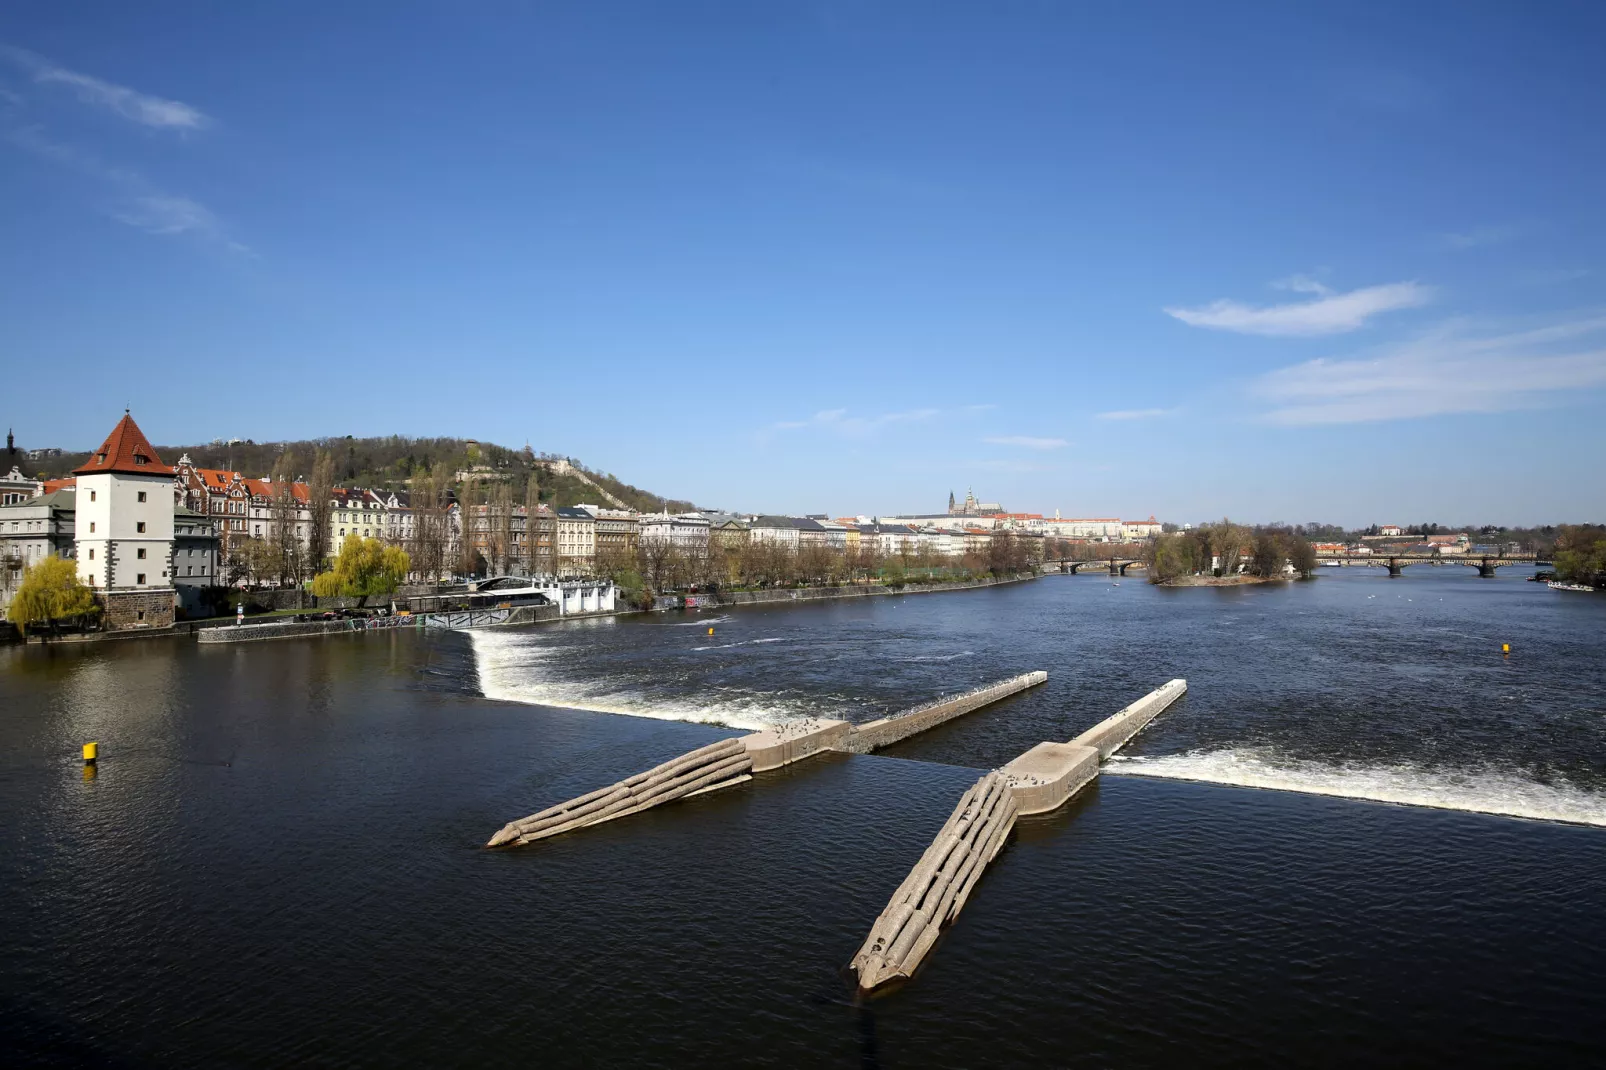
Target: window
139	458
92	527
92	553
92	493
141	495
140	553
140	527
189	570
140	579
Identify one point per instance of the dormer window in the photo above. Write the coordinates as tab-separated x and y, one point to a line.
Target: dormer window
139	458
100	458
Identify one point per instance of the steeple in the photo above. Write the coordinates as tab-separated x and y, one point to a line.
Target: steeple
950	503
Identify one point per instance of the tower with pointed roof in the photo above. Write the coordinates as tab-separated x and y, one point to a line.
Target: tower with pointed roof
124	528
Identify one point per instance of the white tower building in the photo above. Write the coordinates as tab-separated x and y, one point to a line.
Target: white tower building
124	529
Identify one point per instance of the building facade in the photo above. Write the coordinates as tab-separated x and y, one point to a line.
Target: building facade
123	529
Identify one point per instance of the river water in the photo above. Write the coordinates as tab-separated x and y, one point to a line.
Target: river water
278	858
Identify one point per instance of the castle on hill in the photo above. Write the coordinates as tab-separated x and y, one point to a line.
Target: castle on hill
972	507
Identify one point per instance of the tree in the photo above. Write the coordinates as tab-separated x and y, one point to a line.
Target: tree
50	593
284	521
1302	555
364	568
1581	553
320	499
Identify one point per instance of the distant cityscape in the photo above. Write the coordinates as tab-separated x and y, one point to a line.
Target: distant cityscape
225	528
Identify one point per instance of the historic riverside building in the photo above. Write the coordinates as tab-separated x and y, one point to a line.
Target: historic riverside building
124	529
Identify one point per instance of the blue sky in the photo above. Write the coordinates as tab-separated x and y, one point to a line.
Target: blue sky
1190	260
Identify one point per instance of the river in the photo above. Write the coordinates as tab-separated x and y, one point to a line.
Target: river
278	859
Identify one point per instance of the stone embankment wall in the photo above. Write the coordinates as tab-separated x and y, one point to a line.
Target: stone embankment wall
246	633
888	730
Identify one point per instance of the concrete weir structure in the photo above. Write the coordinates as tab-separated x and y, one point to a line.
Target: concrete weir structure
733	761
1040	780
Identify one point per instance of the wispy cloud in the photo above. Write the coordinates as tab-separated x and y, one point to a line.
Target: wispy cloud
1029	442
1135	414
1329	313
142	108
168	215
1450	370
841	422
1480	236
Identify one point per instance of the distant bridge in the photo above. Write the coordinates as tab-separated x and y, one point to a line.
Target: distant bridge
1117	565
1484	563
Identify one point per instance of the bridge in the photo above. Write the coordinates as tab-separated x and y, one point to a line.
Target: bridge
1117	565
1396	563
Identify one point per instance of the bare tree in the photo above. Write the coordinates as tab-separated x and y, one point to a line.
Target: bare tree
320	500
283	516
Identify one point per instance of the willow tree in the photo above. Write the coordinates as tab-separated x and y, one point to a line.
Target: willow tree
51	593
364	568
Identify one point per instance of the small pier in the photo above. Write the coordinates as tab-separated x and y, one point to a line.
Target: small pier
1042	779
733	761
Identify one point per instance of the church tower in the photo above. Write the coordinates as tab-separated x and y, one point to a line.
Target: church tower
950	503
124	529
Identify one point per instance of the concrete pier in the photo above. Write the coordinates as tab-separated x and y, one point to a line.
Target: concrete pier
1040	780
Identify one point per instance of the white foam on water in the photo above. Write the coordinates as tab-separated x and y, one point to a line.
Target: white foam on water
1483	790
937	657
744	642
516	667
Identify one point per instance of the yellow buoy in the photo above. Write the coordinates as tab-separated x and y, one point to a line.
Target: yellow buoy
1505	648
710	631
91	752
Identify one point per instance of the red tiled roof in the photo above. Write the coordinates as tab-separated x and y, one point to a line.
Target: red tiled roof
53	485
126	449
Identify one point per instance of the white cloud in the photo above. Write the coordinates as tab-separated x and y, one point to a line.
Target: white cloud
1028	442
1330	313
131	104
1450	370
838	421
1135	414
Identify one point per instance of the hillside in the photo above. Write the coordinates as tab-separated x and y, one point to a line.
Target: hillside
388	464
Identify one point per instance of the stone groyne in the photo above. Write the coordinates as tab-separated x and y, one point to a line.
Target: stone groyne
770	749
817	594
874	735
1038	781
718	765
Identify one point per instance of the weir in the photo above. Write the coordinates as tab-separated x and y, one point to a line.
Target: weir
1040	780
732	761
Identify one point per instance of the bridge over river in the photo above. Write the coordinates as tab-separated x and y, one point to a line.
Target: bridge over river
1396	563
1117	566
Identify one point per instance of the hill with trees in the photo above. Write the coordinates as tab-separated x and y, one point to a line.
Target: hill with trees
391	463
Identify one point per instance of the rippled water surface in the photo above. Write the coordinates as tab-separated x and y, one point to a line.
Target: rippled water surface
278	863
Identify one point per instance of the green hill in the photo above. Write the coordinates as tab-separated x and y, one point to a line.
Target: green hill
389	463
